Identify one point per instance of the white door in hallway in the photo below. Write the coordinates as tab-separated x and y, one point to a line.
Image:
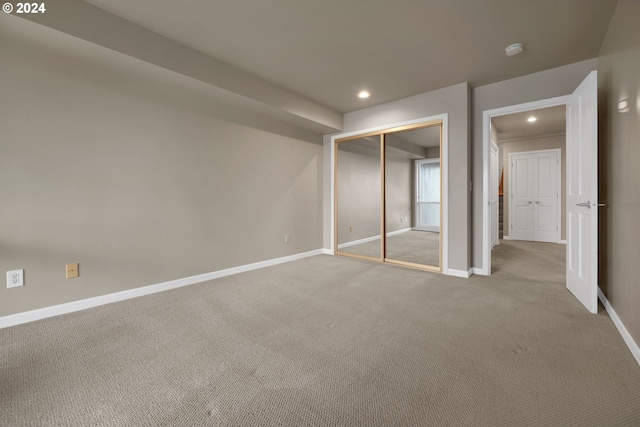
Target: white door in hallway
546	193
534	194
493	195
582	193
521	197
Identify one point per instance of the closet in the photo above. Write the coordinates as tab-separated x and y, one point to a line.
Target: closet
388	193
534	195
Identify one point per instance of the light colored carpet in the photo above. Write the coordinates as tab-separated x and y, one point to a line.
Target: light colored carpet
330	341
420	247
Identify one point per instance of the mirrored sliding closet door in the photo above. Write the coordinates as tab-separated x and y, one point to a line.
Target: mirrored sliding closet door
388	196
359	195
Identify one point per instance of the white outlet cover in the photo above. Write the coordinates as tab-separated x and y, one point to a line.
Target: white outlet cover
15	278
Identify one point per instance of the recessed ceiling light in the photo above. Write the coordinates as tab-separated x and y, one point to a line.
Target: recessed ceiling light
363	94
531	119
514	49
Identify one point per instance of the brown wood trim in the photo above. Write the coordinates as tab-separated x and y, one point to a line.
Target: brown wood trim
365	257
335	197
383	199
413	265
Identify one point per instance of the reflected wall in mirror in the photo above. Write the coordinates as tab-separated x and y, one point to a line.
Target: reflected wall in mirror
358	197
412	197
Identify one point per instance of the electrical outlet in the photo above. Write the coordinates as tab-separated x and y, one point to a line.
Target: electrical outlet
406	219
287	239
72	271
15	278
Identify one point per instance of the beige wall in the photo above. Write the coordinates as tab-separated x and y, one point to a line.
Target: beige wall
358	192
139	175
433	152
619	133
398	195
546	143
533	87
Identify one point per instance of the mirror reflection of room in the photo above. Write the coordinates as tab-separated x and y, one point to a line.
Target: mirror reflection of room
406	229
358	200
412	196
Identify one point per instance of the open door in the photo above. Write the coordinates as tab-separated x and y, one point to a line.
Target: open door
582	193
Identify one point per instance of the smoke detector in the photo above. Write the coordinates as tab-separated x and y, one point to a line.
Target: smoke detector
514	49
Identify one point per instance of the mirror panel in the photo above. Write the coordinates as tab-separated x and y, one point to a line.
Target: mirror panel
358	197
412	196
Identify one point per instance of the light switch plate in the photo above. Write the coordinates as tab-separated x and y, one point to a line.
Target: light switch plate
15	278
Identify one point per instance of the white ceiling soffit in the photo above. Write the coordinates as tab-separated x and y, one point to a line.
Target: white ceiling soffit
549	121
97	26
310	58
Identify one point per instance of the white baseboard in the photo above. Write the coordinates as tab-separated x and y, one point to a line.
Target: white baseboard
459	273
404	230
371	239
70	307
477	270
326	251
560	242
626	336
358	242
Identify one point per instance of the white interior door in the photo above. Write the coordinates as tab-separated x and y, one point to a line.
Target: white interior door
546	195
521	192
582	193
493	195
535	195
427	195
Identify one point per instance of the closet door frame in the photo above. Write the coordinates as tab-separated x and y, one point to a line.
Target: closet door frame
439	120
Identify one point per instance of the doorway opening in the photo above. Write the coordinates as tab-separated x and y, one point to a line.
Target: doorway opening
531	147
581	187
508	131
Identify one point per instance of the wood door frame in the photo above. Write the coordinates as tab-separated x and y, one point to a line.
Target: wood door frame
487	115
443	119
558	153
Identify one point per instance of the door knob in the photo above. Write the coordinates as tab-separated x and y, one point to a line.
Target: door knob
584	205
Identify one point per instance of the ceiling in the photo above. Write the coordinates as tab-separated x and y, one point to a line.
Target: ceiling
550	121
326	51
305	60
400	146
428	137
